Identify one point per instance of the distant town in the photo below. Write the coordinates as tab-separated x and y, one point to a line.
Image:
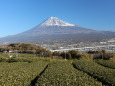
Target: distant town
64	46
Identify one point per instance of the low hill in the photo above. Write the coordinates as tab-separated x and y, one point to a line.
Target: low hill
25	48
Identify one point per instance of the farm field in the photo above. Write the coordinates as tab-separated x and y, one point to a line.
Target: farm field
63	74
107	63
29	70
19	73
103	74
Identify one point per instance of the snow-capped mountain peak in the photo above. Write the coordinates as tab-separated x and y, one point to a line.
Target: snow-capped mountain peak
53	21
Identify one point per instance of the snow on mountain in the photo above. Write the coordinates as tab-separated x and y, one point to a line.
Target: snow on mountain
53	21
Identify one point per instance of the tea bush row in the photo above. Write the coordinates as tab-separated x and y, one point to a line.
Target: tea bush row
106	63
64	74
106	75
19	73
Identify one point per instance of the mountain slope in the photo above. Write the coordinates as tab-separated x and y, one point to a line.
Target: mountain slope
54	25
56	29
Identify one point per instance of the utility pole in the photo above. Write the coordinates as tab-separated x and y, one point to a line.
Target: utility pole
65	55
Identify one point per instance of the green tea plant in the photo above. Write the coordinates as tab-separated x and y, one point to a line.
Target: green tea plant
62	73
19	73
106	63
106	75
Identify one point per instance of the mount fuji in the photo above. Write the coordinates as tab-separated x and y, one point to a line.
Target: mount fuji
54	25
56	29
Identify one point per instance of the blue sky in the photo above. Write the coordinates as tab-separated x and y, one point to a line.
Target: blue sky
17	16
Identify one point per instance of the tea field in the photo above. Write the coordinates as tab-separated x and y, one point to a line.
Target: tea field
19	73
106	63
63	74
37	71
